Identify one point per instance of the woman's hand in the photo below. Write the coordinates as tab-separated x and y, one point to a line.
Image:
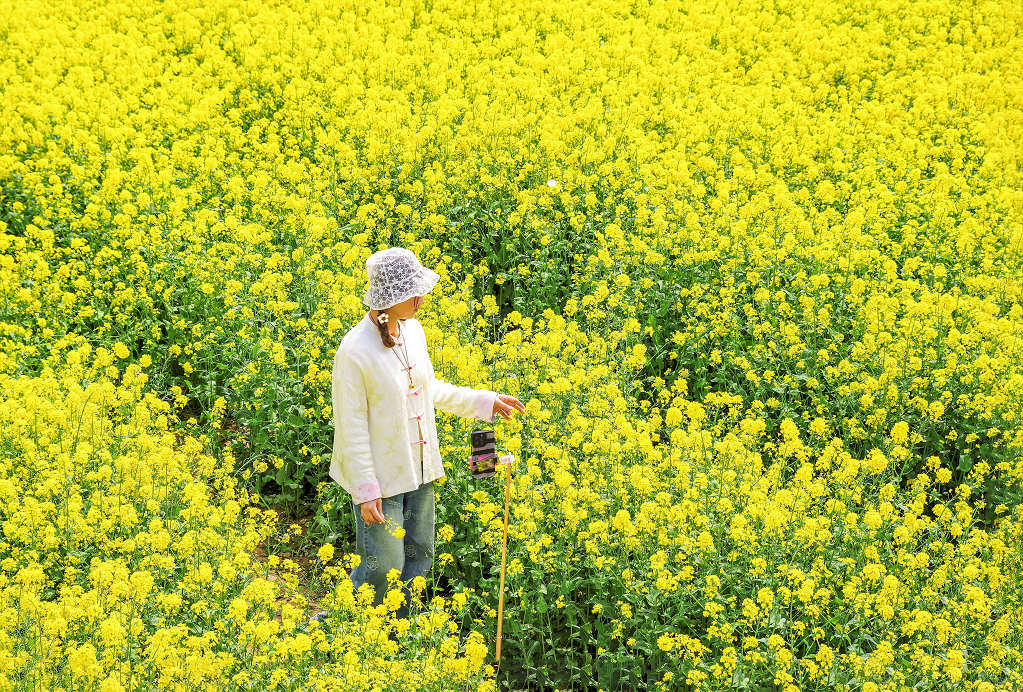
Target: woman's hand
372	511
505	404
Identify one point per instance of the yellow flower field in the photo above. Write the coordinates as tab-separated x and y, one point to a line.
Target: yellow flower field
756	271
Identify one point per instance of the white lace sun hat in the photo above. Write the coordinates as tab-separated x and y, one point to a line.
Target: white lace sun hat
395	275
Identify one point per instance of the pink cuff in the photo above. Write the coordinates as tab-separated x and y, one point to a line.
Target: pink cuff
364	492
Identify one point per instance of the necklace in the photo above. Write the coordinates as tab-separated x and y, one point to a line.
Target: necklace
408	371
404	363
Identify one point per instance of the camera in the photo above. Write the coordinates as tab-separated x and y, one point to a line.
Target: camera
483	453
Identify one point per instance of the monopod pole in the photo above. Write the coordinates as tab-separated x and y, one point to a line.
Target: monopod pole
506	462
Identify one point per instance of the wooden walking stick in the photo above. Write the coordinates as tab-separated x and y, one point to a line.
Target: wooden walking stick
506	462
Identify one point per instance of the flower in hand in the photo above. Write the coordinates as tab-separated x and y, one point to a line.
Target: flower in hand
505	404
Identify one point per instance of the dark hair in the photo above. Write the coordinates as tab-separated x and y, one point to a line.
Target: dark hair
385	335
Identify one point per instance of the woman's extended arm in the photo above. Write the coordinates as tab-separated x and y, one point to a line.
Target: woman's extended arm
463	401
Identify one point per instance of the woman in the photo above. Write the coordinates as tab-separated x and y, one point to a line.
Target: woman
385	437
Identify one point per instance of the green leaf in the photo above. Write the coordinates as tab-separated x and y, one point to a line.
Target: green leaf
965	463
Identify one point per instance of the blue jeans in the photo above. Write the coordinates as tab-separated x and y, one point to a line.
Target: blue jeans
412	555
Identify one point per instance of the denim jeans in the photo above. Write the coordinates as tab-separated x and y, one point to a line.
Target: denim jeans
412	555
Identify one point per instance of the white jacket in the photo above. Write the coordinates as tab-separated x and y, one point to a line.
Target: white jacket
376	450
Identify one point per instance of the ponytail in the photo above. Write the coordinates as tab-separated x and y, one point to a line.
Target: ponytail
385	335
